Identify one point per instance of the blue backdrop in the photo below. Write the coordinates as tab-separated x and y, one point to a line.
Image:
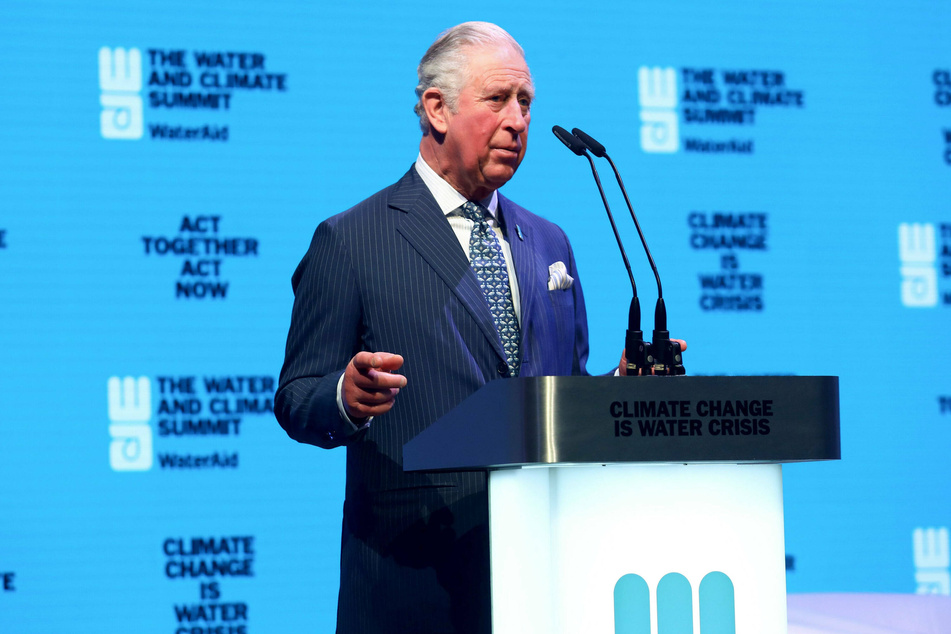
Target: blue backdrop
164	166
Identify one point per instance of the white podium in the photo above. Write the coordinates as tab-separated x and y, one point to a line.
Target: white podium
636	506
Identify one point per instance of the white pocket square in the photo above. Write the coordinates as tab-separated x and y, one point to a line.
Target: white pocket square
558	278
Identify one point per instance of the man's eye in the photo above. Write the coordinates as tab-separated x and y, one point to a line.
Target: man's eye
525	102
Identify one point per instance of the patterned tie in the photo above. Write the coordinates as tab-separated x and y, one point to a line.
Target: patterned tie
489	266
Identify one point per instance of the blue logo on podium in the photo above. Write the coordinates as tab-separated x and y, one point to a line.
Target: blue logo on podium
632	608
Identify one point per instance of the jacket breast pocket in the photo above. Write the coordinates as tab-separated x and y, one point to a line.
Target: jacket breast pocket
563	313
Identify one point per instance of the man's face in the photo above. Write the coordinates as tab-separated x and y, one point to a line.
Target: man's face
487	134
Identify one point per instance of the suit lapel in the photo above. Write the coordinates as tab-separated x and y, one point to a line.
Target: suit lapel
524	254
425	227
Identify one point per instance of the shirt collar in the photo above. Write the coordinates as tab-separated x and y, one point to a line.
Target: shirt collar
448	199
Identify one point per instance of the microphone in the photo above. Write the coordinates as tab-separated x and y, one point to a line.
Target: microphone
635	348
665	355
572	142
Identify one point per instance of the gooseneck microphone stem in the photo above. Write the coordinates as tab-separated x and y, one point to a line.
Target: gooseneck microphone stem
573	144
637	225
617	236
636	349
598	150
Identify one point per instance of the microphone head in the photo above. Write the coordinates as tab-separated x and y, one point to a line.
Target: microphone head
596	148
571	141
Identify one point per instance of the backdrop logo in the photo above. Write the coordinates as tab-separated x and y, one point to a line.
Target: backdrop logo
175	83
698	98
188	409
932	560
120	80
130	409
674	604
918	255
657	93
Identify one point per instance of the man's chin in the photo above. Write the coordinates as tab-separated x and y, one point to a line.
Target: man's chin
497	175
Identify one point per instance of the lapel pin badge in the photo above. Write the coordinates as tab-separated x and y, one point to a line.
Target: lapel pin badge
518	230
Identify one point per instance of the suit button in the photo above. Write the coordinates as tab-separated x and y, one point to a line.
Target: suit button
503	368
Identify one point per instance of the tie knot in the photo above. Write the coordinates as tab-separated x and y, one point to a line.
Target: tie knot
474	212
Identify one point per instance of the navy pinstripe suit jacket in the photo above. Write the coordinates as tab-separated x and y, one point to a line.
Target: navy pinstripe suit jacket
389	275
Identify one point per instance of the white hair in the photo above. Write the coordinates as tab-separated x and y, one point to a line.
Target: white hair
445	65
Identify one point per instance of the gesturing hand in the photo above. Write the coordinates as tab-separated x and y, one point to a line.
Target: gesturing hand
369	387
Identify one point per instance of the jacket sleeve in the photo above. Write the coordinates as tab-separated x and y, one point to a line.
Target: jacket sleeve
324	335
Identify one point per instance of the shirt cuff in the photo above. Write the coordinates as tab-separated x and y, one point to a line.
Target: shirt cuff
357	426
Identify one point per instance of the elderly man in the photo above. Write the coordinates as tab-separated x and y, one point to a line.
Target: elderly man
442	278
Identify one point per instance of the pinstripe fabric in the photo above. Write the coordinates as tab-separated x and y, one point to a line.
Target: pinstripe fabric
390	275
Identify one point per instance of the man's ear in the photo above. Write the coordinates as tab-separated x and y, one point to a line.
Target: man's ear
437	110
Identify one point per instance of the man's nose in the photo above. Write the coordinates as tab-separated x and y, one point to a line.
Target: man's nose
515	119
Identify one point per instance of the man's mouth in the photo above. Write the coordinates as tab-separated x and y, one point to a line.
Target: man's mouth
512	152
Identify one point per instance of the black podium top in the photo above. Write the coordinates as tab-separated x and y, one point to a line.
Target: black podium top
600	420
